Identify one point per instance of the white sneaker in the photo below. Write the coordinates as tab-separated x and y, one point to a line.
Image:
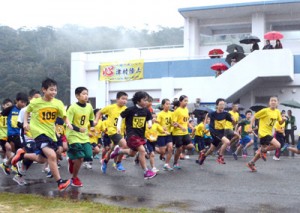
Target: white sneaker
87	165
275	158
154	169
21	167
186	157
20	180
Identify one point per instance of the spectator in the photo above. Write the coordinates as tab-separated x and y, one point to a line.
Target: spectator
290	127
268	45
197	103
218	73
254	46
278	44
233	61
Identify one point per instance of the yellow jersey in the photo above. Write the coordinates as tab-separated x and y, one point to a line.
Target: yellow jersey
113	112
279	127
199	130
181	117
235	116
3	127
164	119
267	119
99	129
152	133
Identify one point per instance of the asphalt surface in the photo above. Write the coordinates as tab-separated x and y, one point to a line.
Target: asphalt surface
208	188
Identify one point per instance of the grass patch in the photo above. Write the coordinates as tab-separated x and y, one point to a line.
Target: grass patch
10	202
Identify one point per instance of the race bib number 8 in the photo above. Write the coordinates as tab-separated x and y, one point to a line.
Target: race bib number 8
47	115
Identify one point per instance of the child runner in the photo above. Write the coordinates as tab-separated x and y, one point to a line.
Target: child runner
151	135
113	112
164	141
292	149
81	115
230	132
135	120
280	136
6	148
13	131
245	140
218	120
267	118
44	112
181	136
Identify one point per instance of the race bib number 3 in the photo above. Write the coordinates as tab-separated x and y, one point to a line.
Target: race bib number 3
138	122
47	115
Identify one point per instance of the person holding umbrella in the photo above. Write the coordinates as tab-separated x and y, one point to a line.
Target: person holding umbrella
254	46
268	45
278	44
267	118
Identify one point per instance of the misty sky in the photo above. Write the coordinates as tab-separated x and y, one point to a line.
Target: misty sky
91	13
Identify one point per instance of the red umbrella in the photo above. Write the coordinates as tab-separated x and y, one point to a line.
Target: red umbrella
219	67
273	35
215	53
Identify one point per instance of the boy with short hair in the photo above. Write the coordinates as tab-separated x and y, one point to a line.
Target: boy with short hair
217	124
81	115
113	112
44	112
267	118
13	131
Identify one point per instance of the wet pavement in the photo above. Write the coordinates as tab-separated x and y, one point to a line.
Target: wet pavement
208	188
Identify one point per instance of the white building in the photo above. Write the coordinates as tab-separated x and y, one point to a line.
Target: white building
172	71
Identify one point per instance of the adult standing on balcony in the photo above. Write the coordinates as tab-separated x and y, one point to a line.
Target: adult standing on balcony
290	127
268	45
254	46
278	44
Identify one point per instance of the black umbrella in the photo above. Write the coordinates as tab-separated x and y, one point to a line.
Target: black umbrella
249	39
200	113
257	107
234	48
235	55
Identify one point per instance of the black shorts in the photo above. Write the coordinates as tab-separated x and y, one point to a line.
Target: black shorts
150	147
216	137
182	140
43	141
229	133
106	140
266	140
199	140
2	144
16	140
115	138
280	137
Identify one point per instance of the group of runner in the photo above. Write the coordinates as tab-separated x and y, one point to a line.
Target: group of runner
39	129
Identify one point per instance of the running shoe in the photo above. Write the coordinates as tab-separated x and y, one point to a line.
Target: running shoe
167	167
136	160
14	169
103	167
275	158
19	155
155	170
186	157
64	184
176	166
49	174
285	146
162	158
182	157
87	165
220	160
202	158
251	166
235	156
76	182
120	167
19	179
97	156
149	174
263	155
58	165
70	166
5	168
115	152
